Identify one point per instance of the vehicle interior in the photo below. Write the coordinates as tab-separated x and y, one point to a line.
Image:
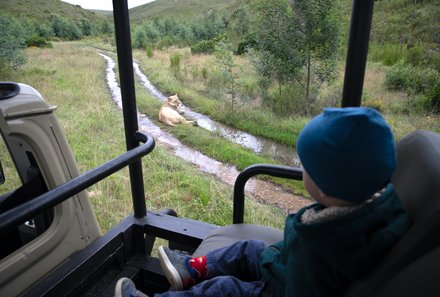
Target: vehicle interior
37	260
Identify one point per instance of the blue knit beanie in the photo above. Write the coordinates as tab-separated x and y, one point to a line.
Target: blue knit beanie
348	152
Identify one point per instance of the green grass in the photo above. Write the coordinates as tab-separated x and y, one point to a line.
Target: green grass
42	10
210	144
180	10
72	77
254	120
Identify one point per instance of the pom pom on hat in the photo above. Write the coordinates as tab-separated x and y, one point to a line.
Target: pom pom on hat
348	152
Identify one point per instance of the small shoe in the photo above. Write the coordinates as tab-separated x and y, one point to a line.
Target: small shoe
174	265
126	288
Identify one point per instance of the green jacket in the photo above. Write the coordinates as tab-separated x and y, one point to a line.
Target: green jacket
323	258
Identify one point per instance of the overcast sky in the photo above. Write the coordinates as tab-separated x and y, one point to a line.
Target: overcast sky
104	4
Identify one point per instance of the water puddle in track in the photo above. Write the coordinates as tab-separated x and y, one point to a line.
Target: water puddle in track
262	191
258	145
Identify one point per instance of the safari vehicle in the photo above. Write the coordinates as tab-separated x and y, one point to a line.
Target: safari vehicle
50	240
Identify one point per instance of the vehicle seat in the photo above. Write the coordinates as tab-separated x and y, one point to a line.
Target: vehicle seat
415	256
230	234
417	181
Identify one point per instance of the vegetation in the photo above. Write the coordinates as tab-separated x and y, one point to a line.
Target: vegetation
297	42
94	128
12	42
236	62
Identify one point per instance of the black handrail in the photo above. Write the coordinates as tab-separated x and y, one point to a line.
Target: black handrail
129	108
361	15
266	169
23	212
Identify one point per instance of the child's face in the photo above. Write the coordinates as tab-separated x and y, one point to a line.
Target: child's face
319	196
311	187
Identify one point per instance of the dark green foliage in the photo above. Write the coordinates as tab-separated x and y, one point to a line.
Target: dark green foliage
38	41
163	32
151	32
203	47
86	27
12	42
106	27
388	53
415	80
230	74
139	38
65	29
411	78
175	64
150	52
297	42
434	96
245	45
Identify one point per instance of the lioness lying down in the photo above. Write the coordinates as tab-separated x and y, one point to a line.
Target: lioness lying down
169	113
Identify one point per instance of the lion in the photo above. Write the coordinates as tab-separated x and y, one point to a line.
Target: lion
171	110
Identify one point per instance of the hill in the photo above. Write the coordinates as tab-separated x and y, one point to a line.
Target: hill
407	22
179	9
41	10
397	21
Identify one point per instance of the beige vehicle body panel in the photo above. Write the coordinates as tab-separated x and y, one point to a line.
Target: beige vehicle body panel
28	121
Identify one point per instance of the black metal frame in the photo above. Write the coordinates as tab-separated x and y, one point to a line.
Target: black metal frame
19	214
356	60
131	240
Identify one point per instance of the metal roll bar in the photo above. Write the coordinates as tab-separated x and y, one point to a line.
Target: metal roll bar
21	213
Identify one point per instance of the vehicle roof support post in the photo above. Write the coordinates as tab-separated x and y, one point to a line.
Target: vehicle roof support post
361	16
129	108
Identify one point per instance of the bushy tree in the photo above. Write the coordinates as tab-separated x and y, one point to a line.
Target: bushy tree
151	32
274	30
225	59
12	42
86	27
214	24
297	41
65	29
106	27
139	39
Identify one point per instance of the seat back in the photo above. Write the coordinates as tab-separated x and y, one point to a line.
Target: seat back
417	181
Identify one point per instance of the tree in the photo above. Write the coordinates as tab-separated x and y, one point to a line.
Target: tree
297	41
12	42
106	28
86	27
151	33
139	39
225	60
273	28
318	38
65	29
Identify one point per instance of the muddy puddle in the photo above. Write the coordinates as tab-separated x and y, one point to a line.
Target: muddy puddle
261	191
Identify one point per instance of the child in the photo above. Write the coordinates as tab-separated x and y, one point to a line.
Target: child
348	156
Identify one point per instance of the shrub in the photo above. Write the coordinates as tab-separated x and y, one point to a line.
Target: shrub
175	64
38	42
398	77
175	61
165	42
434	96
415	80
204	46
150	52
378	104
12	42
205	73
388	54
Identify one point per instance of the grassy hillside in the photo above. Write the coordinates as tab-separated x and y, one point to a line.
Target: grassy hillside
41	10
407	22
179	9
